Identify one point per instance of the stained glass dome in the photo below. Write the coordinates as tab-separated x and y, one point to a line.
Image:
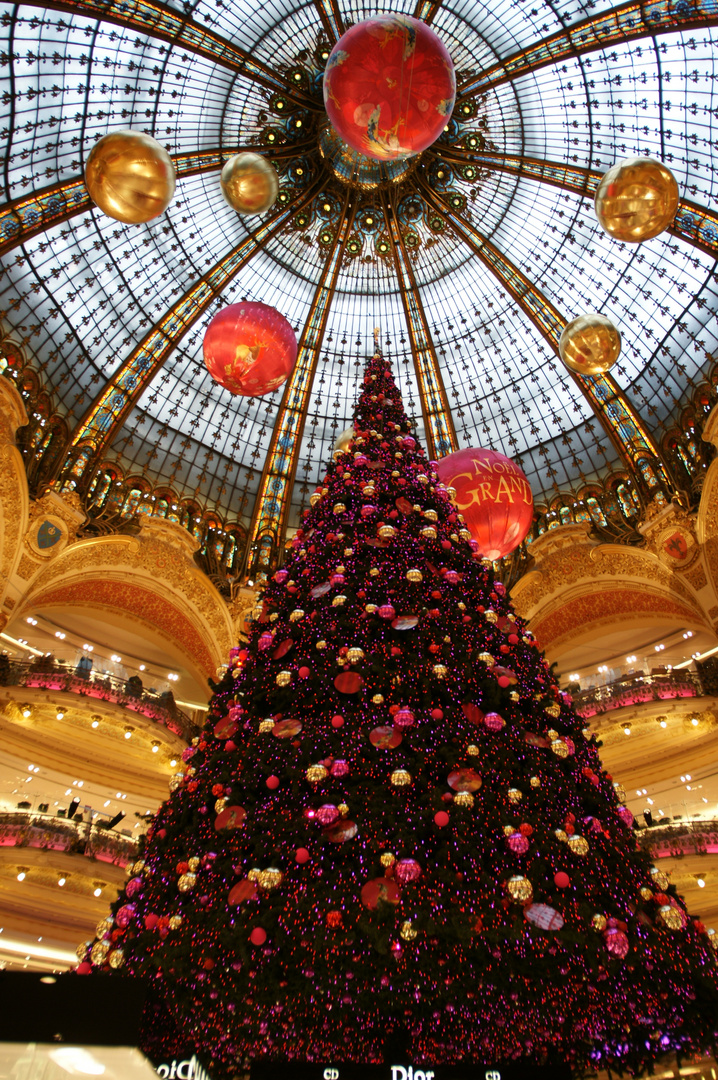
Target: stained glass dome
469	260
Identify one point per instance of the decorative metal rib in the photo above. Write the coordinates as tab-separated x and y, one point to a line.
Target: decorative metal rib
163	22
624	23
438	423
426	10
331	17
271	508
23	218
101	422
695	224
623	425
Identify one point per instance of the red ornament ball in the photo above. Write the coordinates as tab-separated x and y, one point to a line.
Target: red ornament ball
441	818
304	673
561	879
389	87
258	936
249	348
272	782
337	721
84	968
302	855
494	496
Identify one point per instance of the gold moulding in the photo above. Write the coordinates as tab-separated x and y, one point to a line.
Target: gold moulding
130	177
636	200
249	183
590	344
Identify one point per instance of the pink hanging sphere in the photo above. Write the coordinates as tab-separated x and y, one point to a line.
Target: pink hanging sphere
249	349
494	496
389	87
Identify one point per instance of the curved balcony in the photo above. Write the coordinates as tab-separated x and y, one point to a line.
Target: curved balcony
637	690
22	830
48	674
57	879
679	838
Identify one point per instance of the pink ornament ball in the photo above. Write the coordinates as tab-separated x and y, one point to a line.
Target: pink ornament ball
561	879
441	818
249	349
337	721
302	855
494	722
518	843
258	936
616	942
272	782
386	611
626	816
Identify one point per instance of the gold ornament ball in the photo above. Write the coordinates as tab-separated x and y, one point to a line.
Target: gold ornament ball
463	798
400	778
296	615
344	439
315	498
429	533
670	917
431	515
266	725
99	952
414	576
81	950
491	616
187	882
116	958
370	608
440	670
515	795
315	773
599	923
138	867
659	878
104	926
339	601
193	864
486	658
535	781
355	656
387	532
374	572
321	645
590	344
554	711
283	678
519	888
270	878
559	748
176	781
339	508
378	699
472	750
620	791
561	835
387	858
578	845
343	809
636	199
646	893
130	177
175	922
407	931
249	183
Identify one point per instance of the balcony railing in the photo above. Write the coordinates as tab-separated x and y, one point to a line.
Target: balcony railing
23	830
49	674
637	689
692	837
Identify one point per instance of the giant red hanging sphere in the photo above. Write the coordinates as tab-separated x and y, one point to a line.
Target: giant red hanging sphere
494	496
389	87
249	348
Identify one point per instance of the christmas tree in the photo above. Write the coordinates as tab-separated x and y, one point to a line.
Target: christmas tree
393	831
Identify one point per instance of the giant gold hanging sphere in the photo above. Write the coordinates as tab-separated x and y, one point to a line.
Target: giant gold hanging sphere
130	177
636	199
590	344
249	183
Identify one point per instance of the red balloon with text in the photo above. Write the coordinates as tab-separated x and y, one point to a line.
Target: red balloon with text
249	348
494	497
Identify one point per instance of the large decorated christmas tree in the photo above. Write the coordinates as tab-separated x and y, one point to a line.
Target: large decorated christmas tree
394	830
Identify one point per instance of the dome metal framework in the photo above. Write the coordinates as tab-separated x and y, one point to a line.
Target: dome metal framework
470	262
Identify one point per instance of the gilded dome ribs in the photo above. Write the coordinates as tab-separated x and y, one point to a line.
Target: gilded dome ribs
623	23
331	17
167	24
106	416
695	224
438	423
622	424
269	517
